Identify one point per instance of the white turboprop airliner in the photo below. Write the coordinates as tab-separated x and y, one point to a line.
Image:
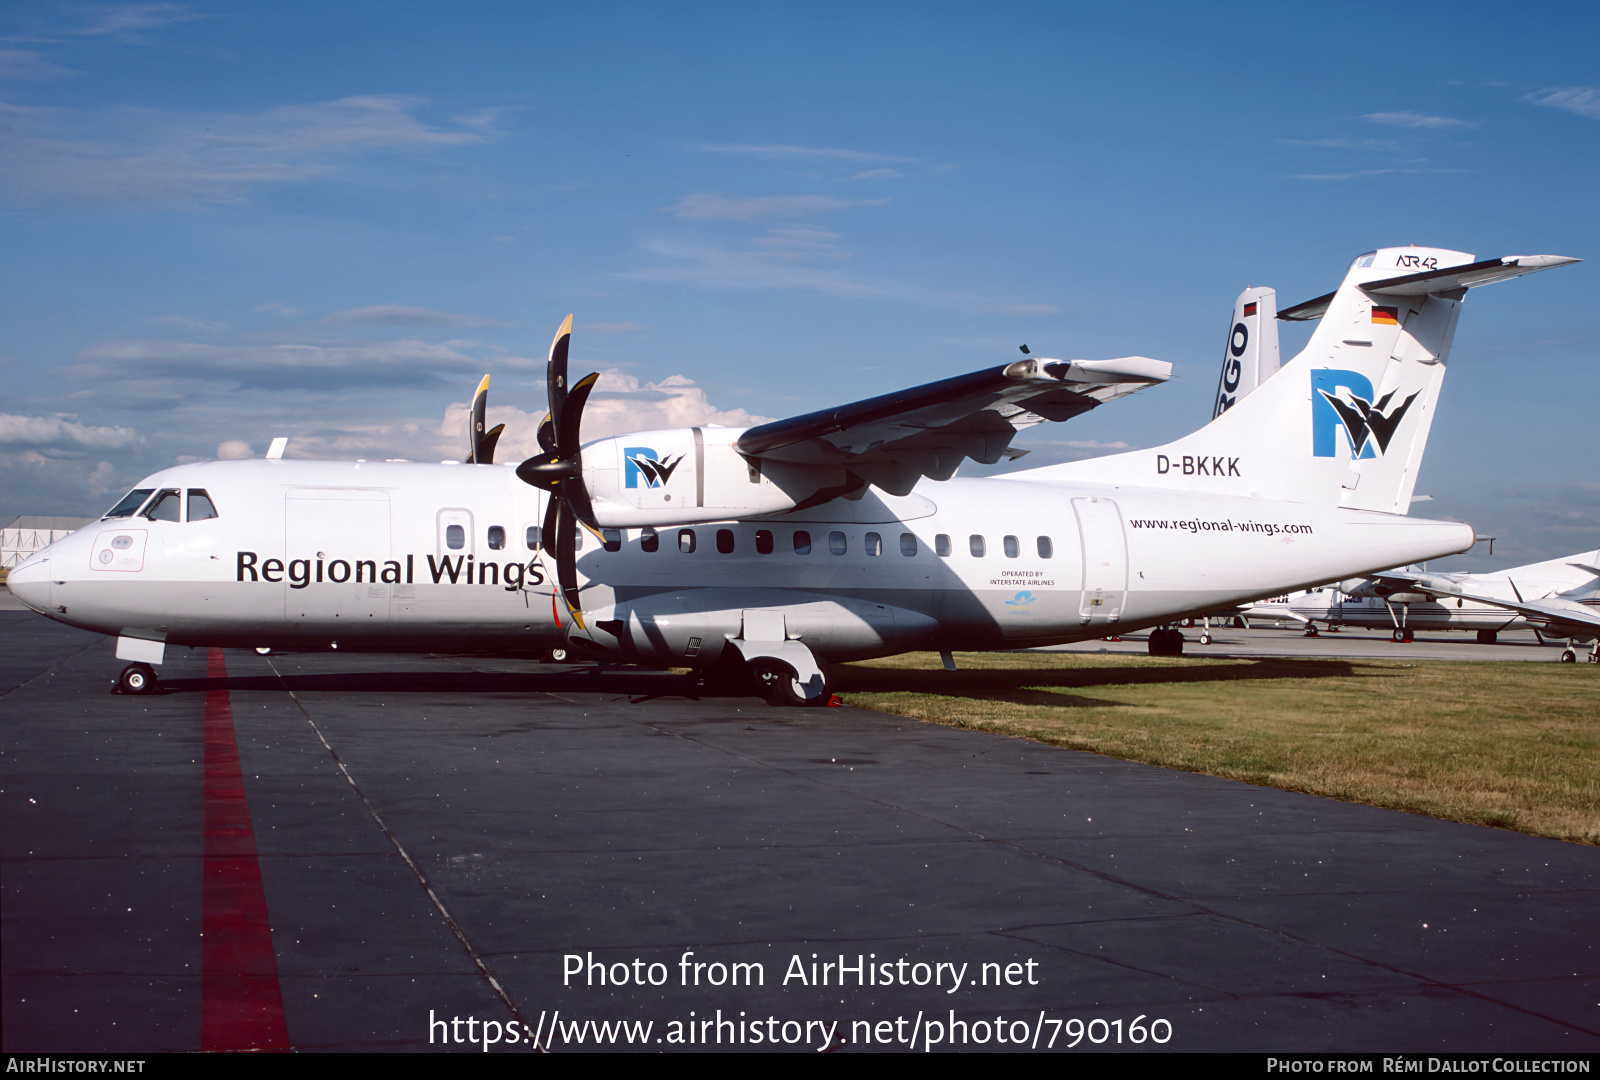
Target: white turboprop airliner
831	536
1539	595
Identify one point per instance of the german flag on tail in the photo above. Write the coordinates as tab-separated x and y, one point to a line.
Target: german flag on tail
1385	316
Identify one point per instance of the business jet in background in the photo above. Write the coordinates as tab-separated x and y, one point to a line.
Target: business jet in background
837	535
1559	598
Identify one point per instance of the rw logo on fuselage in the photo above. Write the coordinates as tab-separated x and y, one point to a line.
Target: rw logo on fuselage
645	462
1343	401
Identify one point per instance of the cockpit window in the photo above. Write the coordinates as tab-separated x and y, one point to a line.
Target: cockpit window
200	505
166	506
130	502
1363	261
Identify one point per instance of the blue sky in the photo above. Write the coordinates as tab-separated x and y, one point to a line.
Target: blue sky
224	223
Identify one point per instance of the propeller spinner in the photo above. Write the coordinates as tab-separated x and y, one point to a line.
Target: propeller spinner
559	470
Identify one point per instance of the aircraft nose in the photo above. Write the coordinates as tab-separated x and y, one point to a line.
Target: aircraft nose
30	583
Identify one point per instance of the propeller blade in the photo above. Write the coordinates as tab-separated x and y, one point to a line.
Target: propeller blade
567	563
555	372
547	434
567	428
486	444
480	406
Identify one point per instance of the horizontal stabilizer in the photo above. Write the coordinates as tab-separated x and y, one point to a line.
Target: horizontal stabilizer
1470	276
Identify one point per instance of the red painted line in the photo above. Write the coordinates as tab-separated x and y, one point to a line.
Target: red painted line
241	1006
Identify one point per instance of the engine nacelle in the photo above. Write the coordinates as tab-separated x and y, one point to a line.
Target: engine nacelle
681	476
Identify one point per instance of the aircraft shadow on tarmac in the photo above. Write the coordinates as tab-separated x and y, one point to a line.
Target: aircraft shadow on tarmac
1039	686
1022	685
638	684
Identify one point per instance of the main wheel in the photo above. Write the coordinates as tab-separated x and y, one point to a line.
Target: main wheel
780	685
1569	657
137	679
557	656
1205	637
1398	635
1408	635
1487	637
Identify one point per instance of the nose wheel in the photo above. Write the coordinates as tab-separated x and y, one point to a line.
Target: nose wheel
136	679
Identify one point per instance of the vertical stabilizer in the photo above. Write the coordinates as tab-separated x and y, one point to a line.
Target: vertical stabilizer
1251	354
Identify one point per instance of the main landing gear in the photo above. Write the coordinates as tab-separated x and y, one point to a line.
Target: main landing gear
1166	641
1487	637
1403	634
1569	655
136	679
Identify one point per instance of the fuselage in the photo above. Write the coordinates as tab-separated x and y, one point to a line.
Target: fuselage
392	555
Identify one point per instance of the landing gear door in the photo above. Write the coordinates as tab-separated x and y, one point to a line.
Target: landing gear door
1105	561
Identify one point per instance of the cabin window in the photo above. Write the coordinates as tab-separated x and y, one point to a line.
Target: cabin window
837	543
686	540
908	544
975	545
1013	549
802	542
1045	548
167	506
497	536
455	537
613	539
649	540
941	546
763	541
874	544
200	505
130	502
533	537
725	541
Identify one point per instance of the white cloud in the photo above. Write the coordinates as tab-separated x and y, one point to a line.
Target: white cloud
1372	172
1583	100
782	151
878	174
171	370
620	403
613	327
710	206
134	155
774	261
27	64
40	433
1418	120
398	315
234	450
1023	310
125	21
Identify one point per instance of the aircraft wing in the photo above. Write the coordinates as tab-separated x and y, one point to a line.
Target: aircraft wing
896	439
1550	612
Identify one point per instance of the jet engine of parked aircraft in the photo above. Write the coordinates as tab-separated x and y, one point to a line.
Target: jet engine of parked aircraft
836	535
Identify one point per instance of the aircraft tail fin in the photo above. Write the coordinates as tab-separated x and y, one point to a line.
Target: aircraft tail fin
1251	354
1346	421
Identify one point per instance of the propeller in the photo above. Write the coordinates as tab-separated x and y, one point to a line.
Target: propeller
480	443
559	470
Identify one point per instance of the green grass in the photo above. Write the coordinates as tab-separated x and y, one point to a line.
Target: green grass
1513	745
